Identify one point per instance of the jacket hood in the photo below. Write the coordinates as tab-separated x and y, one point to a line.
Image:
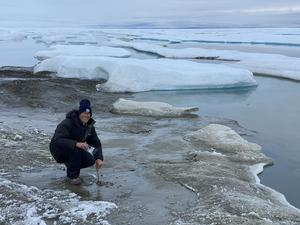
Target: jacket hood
74	116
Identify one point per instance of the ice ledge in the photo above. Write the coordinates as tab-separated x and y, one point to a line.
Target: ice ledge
155	109
259	63
136	75
230	144
257	169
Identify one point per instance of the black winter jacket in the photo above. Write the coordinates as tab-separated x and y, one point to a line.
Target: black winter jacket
69	132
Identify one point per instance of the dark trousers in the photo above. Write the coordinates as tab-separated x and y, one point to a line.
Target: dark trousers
78	159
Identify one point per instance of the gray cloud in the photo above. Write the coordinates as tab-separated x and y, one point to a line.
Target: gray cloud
120	12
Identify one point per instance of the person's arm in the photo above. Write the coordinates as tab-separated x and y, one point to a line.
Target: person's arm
62	136
95	142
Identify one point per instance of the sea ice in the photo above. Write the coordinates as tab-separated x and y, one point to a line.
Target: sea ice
81	50
226	140
11	35
135	75
268	36
123	106
228	185
256	170
164	51
222	137
34	206
69	36
271	64
259	63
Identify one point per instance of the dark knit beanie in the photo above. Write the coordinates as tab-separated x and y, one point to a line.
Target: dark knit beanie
85	106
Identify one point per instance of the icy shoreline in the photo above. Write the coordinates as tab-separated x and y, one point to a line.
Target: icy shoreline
258	169
145	148
152	156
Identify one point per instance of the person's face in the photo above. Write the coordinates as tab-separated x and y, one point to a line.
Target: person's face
84	117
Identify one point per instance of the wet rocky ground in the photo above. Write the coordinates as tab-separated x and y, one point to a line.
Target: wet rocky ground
151	172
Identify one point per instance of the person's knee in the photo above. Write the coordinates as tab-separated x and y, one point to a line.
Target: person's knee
91	161
87	161
58	154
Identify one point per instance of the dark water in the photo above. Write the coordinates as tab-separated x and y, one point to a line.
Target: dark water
272	110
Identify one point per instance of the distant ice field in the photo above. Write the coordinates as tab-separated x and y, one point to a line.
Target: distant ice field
161	42
265	36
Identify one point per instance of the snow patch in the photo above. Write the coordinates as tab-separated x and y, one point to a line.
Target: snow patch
32	205
32	217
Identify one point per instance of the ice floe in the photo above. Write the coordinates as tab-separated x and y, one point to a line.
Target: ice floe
164	51
81	50
271	64
134	75
260	63
157	109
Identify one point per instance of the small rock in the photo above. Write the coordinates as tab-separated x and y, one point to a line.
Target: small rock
3	136
17	137
35	130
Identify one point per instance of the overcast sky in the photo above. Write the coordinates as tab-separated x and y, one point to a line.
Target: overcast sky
157	12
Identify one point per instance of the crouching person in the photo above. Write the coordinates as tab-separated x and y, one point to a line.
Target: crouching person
71	140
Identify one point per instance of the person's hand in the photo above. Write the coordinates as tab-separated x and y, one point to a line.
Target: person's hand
82	145
99	164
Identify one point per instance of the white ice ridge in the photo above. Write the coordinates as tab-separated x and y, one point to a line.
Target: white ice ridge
260	63
225	140
135	75
81	50
123	106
